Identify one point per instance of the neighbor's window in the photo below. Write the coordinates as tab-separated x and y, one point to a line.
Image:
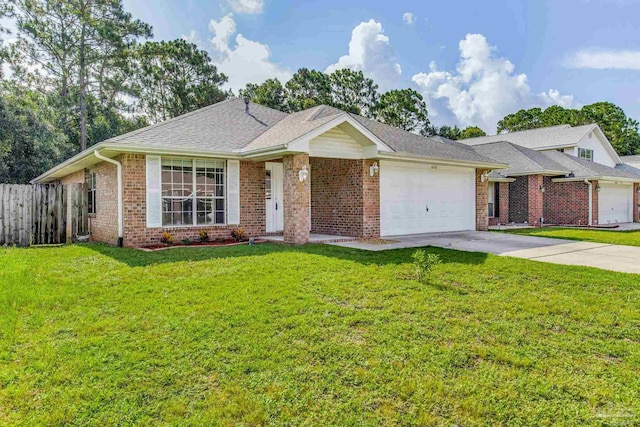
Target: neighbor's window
193	192
585	154
91	190
492	200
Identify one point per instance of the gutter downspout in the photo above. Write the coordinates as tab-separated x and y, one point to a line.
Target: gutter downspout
586	181
120	195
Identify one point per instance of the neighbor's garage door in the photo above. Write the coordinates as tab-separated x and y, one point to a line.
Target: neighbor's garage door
418	198
615	203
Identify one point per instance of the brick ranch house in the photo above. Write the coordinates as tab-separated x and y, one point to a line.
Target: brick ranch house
559	175
236	164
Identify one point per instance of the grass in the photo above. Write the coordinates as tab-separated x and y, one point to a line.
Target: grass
319	335
630	238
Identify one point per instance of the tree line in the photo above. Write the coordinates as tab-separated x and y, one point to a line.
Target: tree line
83	71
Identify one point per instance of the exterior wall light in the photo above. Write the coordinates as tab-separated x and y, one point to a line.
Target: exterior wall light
373	169
542	189
303	174
484	176
597	188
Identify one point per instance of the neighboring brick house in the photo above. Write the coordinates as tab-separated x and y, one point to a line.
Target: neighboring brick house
556	175
236	164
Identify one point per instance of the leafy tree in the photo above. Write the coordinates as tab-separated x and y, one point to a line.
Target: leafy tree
308	88
270	93
404	109
352	91
29	143
449	132
80	45
622	131
471	132
174	78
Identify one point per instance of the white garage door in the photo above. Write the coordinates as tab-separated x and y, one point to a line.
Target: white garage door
418	198
615	203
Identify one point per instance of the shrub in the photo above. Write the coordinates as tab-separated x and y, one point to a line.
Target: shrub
203	236
167	238
424	263
186	241
238	235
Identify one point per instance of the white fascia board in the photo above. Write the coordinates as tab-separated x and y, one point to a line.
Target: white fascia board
501	179
422	159
542	172
598	178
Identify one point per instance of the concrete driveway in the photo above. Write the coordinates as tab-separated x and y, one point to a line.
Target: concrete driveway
600	255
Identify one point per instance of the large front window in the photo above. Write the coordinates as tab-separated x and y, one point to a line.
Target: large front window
193	192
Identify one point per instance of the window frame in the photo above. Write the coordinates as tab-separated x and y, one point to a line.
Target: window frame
193	196
491	200
588	151
90	179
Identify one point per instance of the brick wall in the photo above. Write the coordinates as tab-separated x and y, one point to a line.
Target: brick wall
336	196
502	203
296	200
345	198
536	199
519	200
370	201
104	223
482	198
566	202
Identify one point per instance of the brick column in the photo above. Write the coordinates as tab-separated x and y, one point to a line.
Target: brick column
636	211
482	201
535	196
594	208
370	200
296	200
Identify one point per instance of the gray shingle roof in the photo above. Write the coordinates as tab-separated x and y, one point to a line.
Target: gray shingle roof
634	158
585	169
628	168
293	126
402	141
221	127
225	127
549	137
521	160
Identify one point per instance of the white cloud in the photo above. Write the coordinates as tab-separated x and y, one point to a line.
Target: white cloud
246	6
370	51
483	88
247	62
604	59
409	18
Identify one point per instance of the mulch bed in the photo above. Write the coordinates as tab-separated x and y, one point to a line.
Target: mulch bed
228	242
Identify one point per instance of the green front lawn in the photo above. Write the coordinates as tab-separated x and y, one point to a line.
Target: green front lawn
318	335
630	238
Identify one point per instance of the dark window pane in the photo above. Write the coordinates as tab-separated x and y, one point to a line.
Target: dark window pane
219	217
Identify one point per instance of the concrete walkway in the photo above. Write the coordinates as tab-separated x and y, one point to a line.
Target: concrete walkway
557	251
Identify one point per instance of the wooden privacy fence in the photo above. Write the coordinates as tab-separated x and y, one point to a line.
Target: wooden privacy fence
38	214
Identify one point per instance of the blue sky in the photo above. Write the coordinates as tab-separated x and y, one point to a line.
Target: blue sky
474	61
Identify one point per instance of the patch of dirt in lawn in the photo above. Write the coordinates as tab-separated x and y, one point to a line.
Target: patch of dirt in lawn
374	241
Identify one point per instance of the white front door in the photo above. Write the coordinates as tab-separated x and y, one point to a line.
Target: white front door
421	198
274	189
615	203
